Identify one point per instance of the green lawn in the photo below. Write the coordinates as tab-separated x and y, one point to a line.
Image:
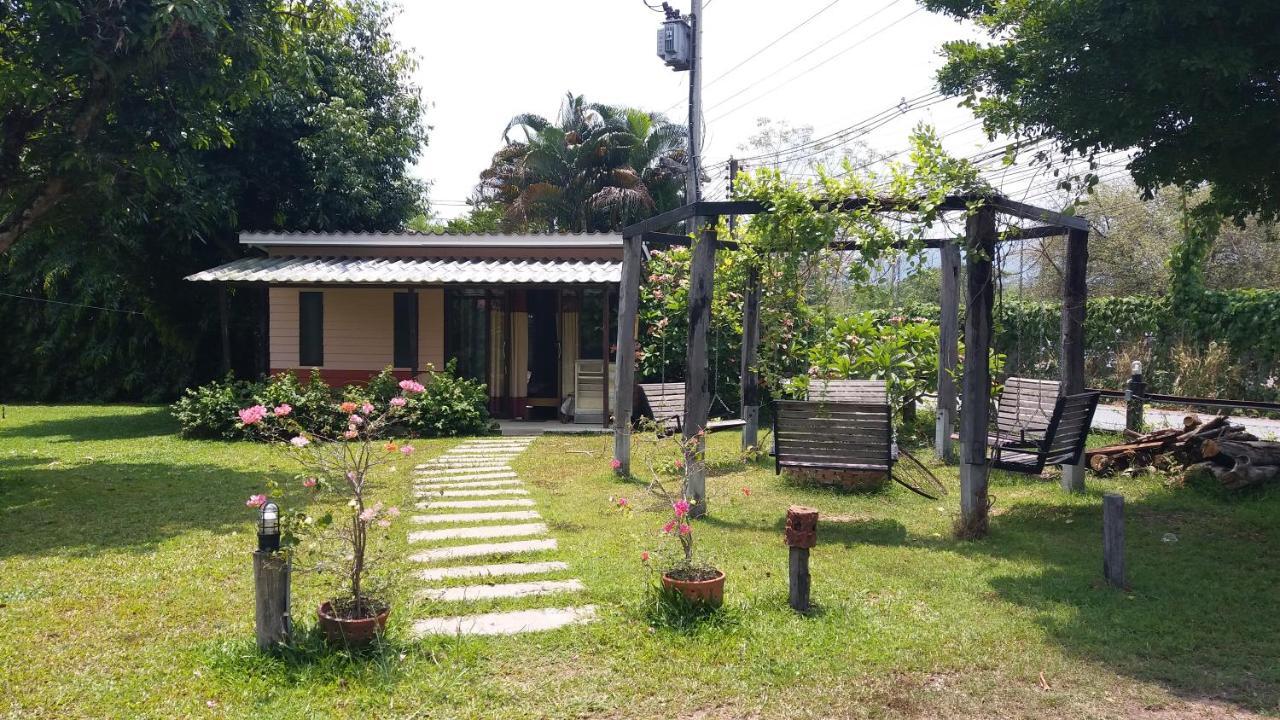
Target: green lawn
125	591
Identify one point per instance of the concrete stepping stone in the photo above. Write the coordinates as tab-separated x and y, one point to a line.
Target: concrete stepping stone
469	484
469	468
478	492
465	476
506	623
502	590
495	570
442	463
462	504
477	517
484	451
481	532
480	550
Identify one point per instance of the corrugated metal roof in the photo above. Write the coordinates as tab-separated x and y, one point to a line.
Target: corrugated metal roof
417	239
343	270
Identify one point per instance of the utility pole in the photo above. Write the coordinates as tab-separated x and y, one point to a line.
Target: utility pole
693	183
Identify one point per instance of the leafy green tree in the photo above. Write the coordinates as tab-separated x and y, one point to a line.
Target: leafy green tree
322	135
596	167
1189	84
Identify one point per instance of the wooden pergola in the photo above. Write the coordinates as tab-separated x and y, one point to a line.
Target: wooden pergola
981	237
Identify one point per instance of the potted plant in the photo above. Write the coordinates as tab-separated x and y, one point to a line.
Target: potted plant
696	581
341	463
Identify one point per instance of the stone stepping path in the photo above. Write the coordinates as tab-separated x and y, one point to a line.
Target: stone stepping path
506	623
481	469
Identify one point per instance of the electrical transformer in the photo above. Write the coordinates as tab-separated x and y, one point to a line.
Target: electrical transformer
675	43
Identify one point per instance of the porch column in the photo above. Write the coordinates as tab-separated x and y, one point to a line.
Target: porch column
980	241
697	393
628	309
1075	293
604	357
948	350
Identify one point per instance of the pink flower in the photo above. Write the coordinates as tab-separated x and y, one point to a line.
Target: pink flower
615	463
355	420
368	515
367	408
393	511
252	415
644	556
681	507
350	434
622	502
406	449
256	501
684	529
398	401
283	409
679	464
671	525
299	441
746	491
309	483
411	386
347	407
384	523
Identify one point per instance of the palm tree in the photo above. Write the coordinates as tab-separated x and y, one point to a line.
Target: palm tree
598	167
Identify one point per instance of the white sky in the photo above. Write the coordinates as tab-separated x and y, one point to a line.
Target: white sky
483	61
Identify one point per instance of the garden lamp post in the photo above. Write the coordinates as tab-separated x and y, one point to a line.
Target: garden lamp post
271	570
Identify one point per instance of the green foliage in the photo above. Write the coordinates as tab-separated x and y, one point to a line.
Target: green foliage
451	405
154	132
597	167
312	403
1186	73
209	411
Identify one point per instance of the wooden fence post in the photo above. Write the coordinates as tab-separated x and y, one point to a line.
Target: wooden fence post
800	535
697	392
948	349
1075	294
1113	540
980	239
625	354
750	379
272	623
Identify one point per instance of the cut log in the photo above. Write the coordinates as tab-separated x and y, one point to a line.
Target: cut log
1204	428
1259	452
1244	473
1190	422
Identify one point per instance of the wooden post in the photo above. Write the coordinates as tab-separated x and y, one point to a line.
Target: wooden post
628	307
750	379
224	327
697	392
1113	540
604	358
1134	393
272	622
1075	293
980	240
415	361
800	534
948	349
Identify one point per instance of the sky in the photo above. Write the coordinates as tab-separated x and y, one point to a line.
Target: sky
828	64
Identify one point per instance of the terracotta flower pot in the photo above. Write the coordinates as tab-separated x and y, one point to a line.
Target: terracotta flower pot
709	591
352	633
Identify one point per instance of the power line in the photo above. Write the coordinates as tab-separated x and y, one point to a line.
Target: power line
68	304
788	81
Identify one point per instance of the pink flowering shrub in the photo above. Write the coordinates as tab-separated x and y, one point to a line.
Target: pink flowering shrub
339	463
671	460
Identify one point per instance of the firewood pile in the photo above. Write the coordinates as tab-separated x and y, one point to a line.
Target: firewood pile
1213	448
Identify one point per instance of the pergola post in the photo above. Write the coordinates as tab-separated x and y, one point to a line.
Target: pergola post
604	359
625	357
697	392
750	379
948	348
1075	293
980	241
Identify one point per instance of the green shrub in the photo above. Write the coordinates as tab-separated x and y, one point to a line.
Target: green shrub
450	406
209	411
313	404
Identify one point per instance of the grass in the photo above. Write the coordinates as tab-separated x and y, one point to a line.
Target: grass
125	591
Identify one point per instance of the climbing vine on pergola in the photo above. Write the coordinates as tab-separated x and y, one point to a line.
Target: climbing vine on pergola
873	216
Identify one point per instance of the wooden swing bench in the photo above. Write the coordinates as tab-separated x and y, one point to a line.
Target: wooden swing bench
858	391
1029	447
851	436
664	404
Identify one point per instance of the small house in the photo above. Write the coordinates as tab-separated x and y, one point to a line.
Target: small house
532	316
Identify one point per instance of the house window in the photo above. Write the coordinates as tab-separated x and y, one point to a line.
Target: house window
467	332
405	322
311	329
592	315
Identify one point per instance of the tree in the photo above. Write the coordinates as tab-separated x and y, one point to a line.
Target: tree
325	139
597	167
1191	85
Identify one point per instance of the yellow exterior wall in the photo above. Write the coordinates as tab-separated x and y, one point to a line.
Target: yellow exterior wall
358	327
